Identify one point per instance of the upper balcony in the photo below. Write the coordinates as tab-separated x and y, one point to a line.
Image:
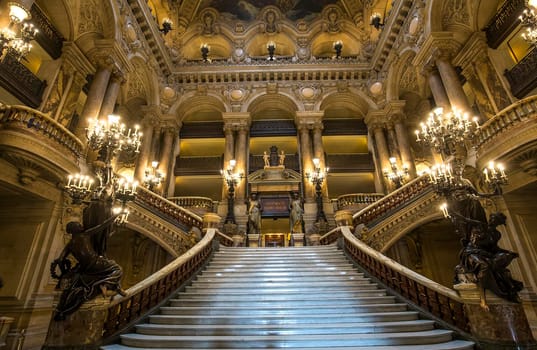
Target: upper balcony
37	145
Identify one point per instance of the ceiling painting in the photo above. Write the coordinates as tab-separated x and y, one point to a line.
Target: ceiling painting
247	10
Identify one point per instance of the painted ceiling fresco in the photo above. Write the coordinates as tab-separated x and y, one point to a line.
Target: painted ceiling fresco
247	10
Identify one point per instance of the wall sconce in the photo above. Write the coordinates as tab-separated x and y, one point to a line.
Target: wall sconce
338	46
271	47
376	21
205	52
153	177
166	26
495	177
17	41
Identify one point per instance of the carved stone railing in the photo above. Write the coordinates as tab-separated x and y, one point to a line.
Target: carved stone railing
523	76
168	210
442	302
31	135
504	22
21	82
109	318
196	204
356	201
510	128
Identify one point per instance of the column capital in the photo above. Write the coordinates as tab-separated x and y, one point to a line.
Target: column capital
152	115
109	54
236	120
73	57
474	50
436	43
308	118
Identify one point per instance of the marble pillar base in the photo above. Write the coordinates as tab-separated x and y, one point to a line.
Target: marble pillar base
75	331
503	326
253	240
298	239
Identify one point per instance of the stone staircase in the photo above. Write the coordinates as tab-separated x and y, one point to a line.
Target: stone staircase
301	298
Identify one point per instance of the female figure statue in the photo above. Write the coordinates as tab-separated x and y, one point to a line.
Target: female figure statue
254	215
295	217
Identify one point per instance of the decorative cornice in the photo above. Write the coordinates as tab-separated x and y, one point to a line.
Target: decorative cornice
444	41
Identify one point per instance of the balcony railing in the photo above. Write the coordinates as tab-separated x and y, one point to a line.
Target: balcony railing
504	22
49	37
356	201
196	204
523	76
21	82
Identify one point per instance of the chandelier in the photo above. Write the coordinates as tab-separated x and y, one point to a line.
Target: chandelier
528	19
317	178
152	177
395	174
112	136
445	131
16	37
232	178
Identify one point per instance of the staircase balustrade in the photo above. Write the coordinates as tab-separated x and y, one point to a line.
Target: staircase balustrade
357	199
155	289
168	210
440	301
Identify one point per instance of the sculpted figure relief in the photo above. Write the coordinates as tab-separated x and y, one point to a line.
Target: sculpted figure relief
254	215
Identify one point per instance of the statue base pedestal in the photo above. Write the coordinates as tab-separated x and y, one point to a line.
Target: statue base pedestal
253	240
313	239
503	326
298	239
238	240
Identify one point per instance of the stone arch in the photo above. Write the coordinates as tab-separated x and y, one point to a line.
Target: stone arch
191	104
345	100
260	104
403	76
96	20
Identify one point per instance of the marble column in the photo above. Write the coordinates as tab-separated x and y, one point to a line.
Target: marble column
452	84
155	144
241	156
307	161
229	152
318	151
382	150
437	89
66	92
404	146
110	97
94	99
165	156
145	149
170	190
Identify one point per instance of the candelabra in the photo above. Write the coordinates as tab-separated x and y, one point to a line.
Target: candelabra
153	177
205	52
528	19
232	178
17	41
108	139
317	178
396	175
271	47
445	131
338	46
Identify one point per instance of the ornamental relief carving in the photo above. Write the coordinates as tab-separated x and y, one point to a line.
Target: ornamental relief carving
90	17
455	12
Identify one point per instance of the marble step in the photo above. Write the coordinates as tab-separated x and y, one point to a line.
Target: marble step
280	310
237	275
307	285
324	288
297	300
277	341
248	295
261	270
273	319
451	345
334	328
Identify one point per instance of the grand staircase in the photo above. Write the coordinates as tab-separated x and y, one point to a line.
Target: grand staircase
301	298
